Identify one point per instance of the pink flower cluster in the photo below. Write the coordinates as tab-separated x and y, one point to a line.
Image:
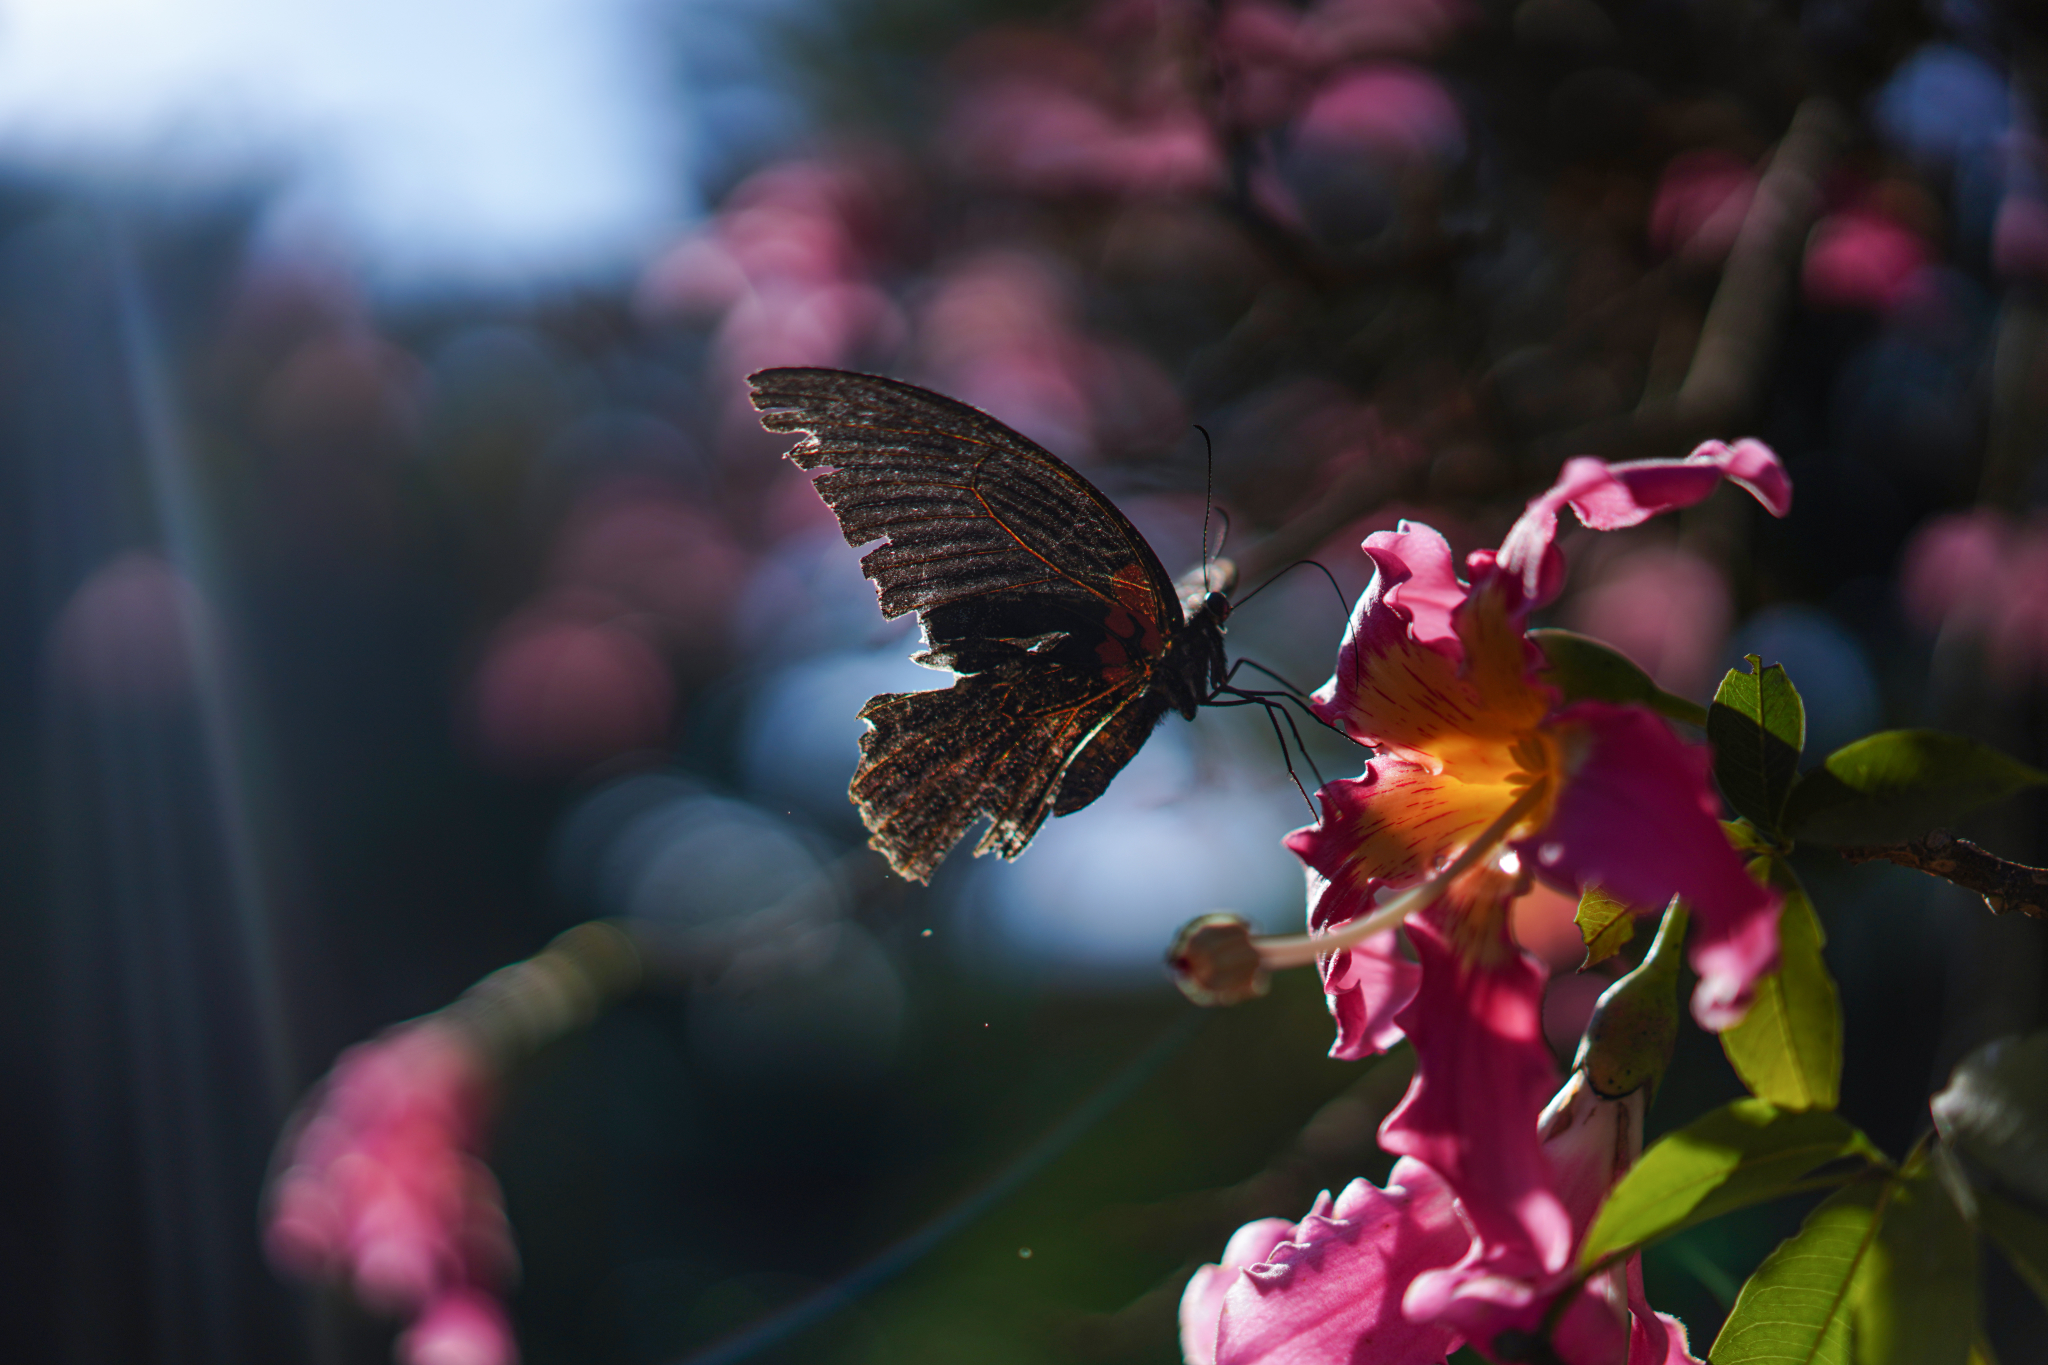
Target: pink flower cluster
1483	778
381	1189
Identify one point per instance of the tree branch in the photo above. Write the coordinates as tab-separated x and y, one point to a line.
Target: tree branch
2005	885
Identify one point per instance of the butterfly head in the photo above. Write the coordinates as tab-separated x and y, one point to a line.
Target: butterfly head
1205	590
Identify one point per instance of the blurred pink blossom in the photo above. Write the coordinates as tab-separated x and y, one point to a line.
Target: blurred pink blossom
126	636
2019	238
1271	57
1863	259
1266	62
346	388
1699	205
2019	631
463	1327
786	269
1344	29
1980	576
1002	332
1046	114
658	555
1400	113
381	1188
565	684
1953	569
1667	609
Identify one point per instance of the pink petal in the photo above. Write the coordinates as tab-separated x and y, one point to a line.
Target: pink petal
1654	1338
1637	818
1609	497
1591	1142
1332	1291
1401	112
1421	582
1201	1304
1482	1075
463	1327
1366	987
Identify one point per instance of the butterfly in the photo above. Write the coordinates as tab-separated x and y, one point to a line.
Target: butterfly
1070	641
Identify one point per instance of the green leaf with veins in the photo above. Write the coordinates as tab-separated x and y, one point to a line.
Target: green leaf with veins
1757	726
1897	785
1740	1154
1795	1310
1788	1048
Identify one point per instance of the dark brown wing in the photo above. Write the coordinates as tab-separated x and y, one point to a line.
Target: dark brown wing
1025	578
1005	744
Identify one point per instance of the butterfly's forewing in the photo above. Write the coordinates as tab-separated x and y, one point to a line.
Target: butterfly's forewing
1025	578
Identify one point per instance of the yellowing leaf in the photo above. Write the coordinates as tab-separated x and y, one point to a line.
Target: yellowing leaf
1605	924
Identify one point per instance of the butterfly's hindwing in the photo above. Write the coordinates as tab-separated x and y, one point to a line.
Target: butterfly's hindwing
1002	744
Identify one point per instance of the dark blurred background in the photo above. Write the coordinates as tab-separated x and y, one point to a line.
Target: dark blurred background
392	575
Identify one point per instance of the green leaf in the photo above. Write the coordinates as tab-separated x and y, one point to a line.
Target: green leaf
1757	726
1897	785
1740	1154
1795	1309
2021	1234
1788	1048
1747	838
1583	668
1994	1113
1605	924
1914	1300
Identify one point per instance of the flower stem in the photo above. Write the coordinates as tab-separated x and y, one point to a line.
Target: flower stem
1298	950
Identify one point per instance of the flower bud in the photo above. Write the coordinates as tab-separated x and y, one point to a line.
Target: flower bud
1215	962
1628	1041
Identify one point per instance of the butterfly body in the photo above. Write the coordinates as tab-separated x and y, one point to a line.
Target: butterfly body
1068	636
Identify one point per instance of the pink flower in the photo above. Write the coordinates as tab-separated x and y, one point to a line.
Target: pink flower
1327	1289
1699	206
1864	259
382	1189
1401	113
1482	778
1475	1238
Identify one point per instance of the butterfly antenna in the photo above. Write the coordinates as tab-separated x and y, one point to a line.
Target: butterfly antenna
1312	563
1208	499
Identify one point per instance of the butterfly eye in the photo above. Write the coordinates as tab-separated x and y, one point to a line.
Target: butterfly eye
1218	606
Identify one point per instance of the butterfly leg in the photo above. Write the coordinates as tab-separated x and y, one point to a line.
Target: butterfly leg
1289	693
1272	702
1269	707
